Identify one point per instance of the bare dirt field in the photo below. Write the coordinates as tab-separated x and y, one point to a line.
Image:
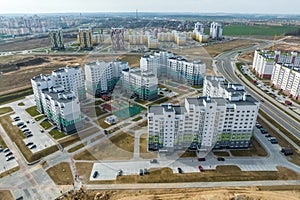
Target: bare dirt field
143	148
237	193
22	68
118	147
61	174
28	43
6	195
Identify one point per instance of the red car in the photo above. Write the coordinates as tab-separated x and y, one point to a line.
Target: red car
201	159
201	168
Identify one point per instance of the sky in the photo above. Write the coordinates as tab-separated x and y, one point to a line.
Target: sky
196	6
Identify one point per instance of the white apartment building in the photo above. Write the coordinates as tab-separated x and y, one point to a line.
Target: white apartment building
179	69
156	63
216	86
69	78
142	84
199	28
216	30
203	123
264	61
101	77
62	109
287	78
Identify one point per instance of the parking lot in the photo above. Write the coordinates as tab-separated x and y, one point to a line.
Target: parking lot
6	165
40	139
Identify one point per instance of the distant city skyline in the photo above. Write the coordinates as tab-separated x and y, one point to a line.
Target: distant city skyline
196	6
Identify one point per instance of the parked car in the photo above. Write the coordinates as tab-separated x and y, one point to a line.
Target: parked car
23	126
180	171
33	147
287	151
42	131
221	159
146	171
95	174
201	159
1	149
268	136
141	172
29	143
8	154
153	161
200	168
20	124
24	130
10	158
120	172
29	135
6	150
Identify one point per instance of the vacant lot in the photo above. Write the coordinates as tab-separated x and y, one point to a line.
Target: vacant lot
143	148
14	95
132	59
6	195
118	147
23	68
238	193
61	174
33	111
261	30
28	43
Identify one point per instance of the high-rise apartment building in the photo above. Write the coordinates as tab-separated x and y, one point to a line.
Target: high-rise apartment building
203	123
56	39
216	31
287	78
142	84
179	69
57	96
85	39
69	78
101	77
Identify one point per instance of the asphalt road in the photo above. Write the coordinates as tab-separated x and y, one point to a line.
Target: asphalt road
224	66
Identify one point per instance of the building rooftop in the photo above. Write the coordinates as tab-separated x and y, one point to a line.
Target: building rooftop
59	95
160	110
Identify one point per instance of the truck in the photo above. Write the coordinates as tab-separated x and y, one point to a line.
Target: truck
287	151
287	102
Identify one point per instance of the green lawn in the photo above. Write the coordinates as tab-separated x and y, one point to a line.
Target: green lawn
39	118
159	101
5	110
21	104
46	125
33	111
76	147
263	30
137	118
56	134
14	96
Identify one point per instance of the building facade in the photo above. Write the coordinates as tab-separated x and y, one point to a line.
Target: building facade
62	109
56	39
287	78
216	31
181	70
85	39
203	123
265	60
69	78
101	77
142	84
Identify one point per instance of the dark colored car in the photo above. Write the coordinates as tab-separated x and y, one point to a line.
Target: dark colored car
268	135
153	161
29	143
221	159
146	171
29	135
33	147
141	172
8	154
179	170
201	159
95	174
